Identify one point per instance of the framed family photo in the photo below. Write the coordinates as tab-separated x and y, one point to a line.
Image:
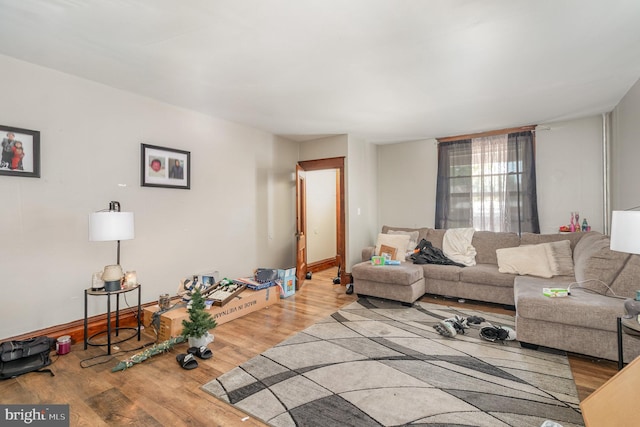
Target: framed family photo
165	167
20	152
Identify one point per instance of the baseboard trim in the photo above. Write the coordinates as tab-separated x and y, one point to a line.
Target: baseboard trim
75	329
322	265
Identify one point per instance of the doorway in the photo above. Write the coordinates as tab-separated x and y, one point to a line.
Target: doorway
302	233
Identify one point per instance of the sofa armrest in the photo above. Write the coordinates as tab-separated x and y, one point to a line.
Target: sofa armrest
367	253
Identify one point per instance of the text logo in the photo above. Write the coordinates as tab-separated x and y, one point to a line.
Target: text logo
34	415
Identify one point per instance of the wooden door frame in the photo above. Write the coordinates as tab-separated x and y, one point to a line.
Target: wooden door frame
301	226
334	163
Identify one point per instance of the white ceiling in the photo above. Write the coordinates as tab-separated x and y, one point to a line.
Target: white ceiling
384	70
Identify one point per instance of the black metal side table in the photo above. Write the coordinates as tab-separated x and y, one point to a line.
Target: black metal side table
630	327
92	292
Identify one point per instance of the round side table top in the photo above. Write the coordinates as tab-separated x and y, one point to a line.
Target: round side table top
631	326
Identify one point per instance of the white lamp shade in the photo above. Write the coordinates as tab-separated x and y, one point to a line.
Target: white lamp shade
625	231
104	226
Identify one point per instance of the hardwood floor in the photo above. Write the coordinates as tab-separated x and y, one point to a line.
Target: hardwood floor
159	392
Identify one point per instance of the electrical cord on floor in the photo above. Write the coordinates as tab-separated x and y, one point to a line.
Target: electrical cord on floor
155	327
130	308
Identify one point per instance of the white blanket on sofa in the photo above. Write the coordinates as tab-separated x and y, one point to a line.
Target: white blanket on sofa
457	246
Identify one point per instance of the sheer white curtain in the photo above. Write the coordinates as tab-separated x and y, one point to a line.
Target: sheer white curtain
488	183
489	192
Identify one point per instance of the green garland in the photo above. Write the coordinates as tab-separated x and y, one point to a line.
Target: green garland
144	355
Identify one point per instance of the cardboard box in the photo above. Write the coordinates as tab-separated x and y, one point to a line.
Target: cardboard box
287	279
246	302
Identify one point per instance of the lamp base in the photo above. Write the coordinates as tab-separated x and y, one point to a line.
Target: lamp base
112	286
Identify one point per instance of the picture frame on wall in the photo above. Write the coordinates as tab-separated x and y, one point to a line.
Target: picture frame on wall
20	150
165	167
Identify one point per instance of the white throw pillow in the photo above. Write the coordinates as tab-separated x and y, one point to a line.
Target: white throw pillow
398	241
528	259
413	238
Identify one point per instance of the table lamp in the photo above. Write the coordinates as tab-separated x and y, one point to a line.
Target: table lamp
111	225
625	237
625	231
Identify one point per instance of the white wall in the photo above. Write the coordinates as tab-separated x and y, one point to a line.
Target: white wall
568	167
324	148
321	215
361	197
407	174
569	173
625	151
238	215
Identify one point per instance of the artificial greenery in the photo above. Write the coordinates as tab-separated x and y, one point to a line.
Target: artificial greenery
200	322
144	355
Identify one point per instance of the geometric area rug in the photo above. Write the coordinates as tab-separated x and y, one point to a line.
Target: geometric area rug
379	363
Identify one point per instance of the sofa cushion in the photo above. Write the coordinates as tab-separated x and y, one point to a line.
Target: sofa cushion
535	239
595	262
397	241
404	274
582	308
442	272
530	259
436	236
368	252
626	283
486	274
591	243
487	242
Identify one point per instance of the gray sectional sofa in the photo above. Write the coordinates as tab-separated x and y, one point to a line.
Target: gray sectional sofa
584	322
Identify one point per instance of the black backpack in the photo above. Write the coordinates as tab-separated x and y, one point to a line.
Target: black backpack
20	357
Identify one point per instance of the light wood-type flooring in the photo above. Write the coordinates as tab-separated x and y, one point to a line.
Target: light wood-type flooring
160	392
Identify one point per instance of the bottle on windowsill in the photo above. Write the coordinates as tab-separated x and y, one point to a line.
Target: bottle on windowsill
572	225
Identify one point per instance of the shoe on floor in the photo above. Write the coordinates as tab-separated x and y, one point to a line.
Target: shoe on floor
459	322
202	352
475	320
452	326
498	333
511	333
445	328
187	361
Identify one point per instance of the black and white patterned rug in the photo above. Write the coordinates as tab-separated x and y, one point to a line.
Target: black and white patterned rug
378	363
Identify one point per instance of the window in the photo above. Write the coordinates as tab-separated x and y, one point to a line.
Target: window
488	183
